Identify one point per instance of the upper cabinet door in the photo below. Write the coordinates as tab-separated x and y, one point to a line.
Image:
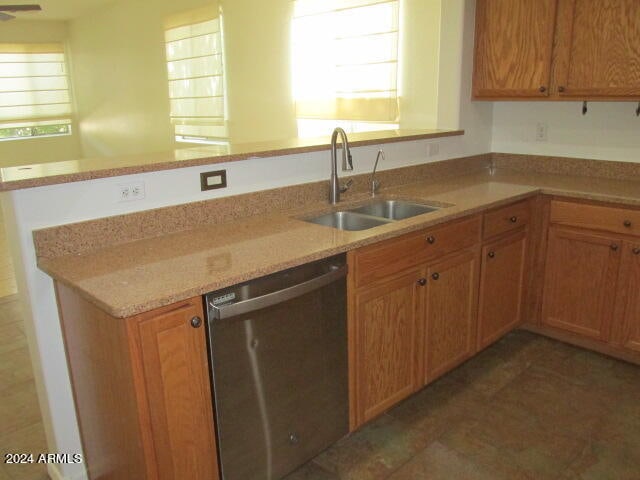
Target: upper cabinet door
514	41
598	48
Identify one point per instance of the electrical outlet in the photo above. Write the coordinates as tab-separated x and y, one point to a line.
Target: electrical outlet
541	132
131	192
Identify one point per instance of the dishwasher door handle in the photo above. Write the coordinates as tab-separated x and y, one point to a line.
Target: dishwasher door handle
223	312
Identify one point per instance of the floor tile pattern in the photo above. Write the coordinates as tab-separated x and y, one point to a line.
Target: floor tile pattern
21	429
526	408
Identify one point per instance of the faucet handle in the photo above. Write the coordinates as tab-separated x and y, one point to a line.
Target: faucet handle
346	186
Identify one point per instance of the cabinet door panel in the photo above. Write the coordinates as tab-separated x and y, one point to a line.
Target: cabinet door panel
599	48
580	282
628	299
450	313
386	332
514	39
501	287
174	360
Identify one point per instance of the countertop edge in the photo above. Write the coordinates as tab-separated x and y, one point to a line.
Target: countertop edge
19	184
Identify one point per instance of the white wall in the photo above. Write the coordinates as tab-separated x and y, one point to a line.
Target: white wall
609	130
36	208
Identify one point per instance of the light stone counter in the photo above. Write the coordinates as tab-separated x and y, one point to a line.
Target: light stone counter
145	274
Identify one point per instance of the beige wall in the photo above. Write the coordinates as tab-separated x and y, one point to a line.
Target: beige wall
419	61
120	78
33	150
257	59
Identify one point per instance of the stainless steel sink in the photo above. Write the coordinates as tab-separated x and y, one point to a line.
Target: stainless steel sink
347	221
394	209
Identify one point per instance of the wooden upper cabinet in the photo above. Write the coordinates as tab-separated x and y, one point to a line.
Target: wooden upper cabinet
557	49
501	287
513	48
450	313
598	48
627	316
386	323
580	282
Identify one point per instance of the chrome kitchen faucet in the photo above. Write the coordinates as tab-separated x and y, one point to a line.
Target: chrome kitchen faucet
347	164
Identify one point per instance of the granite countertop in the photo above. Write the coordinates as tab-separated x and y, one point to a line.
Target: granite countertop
139	276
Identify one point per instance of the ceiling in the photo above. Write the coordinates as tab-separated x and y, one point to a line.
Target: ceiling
56	9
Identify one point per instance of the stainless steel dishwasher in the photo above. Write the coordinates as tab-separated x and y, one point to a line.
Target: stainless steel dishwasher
278	354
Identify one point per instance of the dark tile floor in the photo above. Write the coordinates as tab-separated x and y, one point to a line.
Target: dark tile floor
526	408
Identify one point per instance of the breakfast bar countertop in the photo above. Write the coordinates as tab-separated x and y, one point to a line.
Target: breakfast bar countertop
141	275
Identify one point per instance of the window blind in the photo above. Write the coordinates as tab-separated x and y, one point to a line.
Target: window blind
345	59
195	69
34	86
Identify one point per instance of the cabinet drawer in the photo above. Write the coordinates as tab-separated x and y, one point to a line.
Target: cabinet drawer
506	219
380	260
596	217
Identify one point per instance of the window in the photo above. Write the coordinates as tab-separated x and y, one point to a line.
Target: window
345	64
195	68
34	91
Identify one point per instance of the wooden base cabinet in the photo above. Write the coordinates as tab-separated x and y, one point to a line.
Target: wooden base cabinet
627	313
141	390
592	277
409	326
386	322
501	287
450	313
580	282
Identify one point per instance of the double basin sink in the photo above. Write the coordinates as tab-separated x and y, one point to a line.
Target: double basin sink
373	214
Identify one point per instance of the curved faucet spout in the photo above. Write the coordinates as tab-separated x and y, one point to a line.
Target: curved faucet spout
347	163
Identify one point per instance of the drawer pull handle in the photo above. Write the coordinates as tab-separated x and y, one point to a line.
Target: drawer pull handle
431	240
561	89
491	254
196	322
422	282
542	89
636	251
627	223
435	276
614	247
513	219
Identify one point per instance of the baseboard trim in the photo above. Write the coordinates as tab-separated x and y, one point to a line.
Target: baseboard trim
582	342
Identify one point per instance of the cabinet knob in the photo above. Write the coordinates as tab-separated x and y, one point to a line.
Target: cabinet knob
422	282
636	251
542	89
614	247
513	219
196	322
627	223
435	276
561	88
491	254
431	240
